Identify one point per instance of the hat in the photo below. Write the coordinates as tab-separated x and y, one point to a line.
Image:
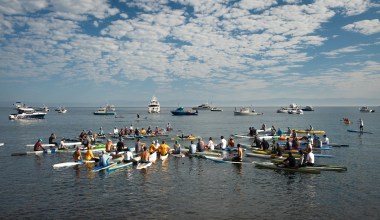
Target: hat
40	139
121	139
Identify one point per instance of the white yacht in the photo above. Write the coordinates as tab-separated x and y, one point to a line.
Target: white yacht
27	113
366	109
287	109
204	106
154	106
107	110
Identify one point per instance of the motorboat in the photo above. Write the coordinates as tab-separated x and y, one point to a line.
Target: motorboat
154	106
204	106
107	110
62	110
181	111
27	113
291	107
19	105
308	108
366	109
44	108
296	111
245	111
216	109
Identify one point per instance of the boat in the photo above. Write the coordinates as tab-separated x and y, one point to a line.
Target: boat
154	106
244	111
204	106
310	131
224	160
296	169
216	109
296	112
19	105
62	110
107	110
308	108
292	106
362	132
181	111
44	108
366	109
27	113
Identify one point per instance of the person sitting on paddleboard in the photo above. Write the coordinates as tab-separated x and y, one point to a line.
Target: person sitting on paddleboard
223	143
128	155
326	140
239	156
177	148
52	140
288	144
90	156
265	145
104	159
163	149
200	145
145	156
62	145
290	161
77	155
120	145
231	142
38	145
192	148
210	144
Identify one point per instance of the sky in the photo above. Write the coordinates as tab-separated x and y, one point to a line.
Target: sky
189	52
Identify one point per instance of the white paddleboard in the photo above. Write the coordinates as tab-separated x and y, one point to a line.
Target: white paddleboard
52	145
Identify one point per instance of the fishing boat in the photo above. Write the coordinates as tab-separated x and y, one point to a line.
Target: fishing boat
44	108
154	106
181	111
204	106
245	112
107	110
27	113
62	110
292	106
366	109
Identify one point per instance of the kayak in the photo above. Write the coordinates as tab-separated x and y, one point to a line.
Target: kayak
120	166
52	145
185	138
284	137
99	168
275	167
143	165
318	166
70	164
362	132
225	160
261	152
310	131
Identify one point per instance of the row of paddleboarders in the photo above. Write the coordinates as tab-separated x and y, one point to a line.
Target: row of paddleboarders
273	130
52	140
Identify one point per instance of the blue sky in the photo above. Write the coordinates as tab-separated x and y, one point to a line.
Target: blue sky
187	52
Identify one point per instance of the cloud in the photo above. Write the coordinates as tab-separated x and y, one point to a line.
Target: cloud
366	27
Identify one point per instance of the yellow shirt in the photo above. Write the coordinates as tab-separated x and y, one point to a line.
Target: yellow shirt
143	132
163	149
89	155
152	148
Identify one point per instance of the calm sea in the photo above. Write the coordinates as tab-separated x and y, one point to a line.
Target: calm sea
190	188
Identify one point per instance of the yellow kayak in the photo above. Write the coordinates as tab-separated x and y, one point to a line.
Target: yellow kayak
260	152
310	131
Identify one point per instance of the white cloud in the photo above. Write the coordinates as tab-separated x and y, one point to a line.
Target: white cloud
366	27
342	51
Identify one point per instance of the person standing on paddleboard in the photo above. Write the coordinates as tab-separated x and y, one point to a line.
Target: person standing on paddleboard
361	125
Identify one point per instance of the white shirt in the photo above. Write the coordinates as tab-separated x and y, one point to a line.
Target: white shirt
223	144
115	131
326	141
210	145
310	157
128	155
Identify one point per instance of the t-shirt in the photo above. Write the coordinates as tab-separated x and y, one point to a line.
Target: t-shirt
224	144
163	149
192	149
310	158
128	156
210	144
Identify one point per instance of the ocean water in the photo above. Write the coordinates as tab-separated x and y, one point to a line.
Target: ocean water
190	188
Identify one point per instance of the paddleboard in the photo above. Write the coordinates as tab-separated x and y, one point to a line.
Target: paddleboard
52	145
1	144
275	167
120	166
163	158
143	165
362	132
178	155
70	164
224	160
99	168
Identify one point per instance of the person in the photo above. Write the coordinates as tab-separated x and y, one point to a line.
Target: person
77	155
104	159
138	116
101	132
210	144
192	148
52	140
326	140
115	131
120	145
294	134
223	143
361	125
86	141
38	145
309	149
152	147
251	131
310	159
231	142
318	143
289	131
290	161
109	145
139	146
265	144
310	128
137	132
89	133
263	127
144	156
143	131
128	155
177	148
90	156
288	144
239	156
273	130
62	145
131	127
257	142
163	149
273	147
82	133
295	144
169	127
279	132
149	130
200	145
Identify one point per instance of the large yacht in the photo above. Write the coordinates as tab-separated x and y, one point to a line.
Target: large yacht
154	106
204	106
107	110
27	113
287	109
